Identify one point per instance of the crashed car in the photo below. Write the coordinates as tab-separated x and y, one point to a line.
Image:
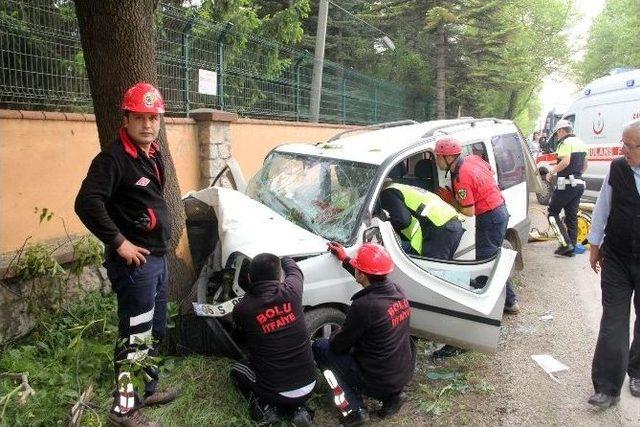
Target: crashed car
306	195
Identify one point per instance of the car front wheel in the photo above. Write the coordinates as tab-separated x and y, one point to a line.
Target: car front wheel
324	321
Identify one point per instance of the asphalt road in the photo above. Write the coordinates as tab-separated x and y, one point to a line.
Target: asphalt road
568	290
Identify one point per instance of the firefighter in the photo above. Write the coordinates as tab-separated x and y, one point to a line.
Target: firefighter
372	354
121	202
279	376
428	225
475	193
572	162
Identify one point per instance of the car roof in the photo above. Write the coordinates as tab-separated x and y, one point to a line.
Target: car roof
375	146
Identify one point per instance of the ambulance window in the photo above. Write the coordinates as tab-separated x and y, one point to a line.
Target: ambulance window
510	164
475	149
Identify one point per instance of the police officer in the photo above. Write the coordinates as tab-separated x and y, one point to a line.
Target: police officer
372	354
475	193
572	162
279	376
121	202
427	225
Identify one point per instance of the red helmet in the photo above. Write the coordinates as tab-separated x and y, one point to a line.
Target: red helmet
143	98
448	147
372	259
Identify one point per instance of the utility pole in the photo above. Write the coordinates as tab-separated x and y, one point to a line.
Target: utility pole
318	62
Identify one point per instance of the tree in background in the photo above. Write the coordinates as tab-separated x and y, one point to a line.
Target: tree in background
613	41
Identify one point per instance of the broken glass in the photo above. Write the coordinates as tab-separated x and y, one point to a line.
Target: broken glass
323	195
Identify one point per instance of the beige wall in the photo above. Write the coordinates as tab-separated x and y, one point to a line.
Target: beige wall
253	139
45	156
43	161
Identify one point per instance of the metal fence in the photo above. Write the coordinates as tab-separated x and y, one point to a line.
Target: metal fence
42	67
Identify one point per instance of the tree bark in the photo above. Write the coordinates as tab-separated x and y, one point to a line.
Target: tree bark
441	72
119	45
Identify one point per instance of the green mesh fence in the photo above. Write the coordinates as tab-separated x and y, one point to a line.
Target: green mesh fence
43	69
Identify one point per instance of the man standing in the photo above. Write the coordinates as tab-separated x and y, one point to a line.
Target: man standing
372	354
572	162
121	202
475	193
615	246
279	376
428	225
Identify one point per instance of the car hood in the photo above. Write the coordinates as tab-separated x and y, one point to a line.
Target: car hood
249	227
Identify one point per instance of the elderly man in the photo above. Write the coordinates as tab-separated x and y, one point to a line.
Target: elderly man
615	246
572	162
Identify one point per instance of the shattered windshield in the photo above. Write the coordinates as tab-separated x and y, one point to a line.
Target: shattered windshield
320	194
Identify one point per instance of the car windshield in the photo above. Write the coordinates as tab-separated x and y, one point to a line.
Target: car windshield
320	194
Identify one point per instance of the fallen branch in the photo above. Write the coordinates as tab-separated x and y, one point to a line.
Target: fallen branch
78	409
24	390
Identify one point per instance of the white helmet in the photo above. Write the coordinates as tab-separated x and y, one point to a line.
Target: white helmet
563	123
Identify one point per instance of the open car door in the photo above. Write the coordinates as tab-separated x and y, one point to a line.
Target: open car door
444	304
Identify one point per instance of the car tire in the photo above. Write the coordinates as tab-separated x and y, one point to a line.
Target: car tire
544	197
322	322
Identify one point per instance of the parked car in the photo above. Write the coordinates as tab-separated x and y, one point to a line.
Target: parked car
306	195
598	116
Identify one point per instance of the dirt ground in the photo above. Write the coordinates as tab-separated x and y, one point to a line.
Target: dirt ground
569	290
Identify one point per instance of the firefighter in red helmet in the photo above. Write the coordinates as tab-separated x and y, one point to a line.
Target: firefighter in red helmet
372	354
121	202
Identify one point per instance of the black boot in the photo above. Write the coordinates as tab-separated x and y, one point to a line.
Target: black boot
391	405
302	417
355	418
565	251
439	355
263	413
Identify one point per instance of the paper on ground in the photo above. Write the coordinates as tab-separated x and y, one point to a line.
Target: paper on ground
550	364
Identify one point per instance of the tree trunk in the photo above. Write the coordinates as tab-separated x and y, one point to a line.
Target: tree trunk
440	72
511	107
119	45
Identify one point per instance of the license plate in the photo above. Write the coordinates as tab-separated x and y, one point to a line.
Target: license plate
215	310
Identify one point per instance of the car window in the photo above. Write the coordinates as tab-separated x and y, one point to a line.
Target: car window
475	149
510	164
323	195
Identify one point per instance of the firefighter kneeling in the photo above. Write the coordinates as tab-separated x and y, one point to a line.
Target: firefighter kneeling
377	330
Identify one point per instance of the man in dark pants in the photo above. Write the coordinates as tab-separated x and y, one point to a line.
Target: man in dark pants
572	162
475	192
279	376
428	226
372	354
615	246
121	202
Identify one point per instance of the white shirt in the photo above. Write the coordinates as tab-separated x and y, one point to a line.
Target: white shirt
603	207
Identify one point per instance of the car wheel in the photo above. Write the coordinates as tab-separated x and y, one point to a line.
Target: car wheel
544	197
322	322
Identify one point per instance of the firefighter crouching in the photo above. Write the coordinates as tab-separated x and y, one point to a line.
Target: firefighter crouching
372	354
279	376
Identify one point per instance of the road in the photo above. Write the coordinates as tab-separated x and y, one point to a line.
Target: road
569	290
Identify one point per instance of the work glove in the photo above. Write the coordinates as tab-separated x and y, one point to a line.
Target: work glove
338	250
446	194
143	222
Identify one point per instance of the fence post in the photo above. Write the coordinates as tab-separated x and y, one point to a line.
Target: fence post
186	28
221	39
297	66
344	96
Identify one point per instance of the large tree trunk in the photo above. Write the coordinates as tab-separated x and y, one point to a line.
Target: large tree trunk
119	45
511	107
440	72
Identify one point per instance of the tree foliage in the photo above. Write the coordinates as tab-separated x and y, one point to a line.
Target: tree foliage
613	41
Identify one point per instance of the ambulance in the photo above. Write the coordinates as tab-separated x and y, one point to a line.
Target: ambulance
598	116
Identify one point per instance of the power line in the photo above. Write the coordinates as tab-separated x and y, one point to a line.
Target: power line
359	19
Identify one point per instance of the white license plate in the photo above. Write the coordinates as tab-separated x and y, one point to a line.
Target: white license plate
217	310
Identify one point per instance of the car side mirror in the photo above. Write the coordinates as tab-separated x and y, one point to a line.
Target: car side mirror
372	235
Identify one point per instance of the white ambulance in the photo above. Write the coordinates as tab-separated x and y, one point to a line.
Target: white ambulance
598	115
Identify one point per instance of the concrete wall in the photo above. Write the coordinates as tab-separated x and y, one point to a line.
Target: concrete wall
45	156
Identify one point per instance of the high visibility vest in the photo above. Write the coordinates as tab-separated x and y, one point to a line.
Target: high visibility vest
423	204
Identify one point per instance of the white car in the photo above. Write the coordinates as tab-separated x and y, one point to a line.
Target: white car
306	195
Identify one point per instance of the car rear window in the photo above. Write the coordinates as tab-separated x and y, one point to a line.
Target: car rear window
510	164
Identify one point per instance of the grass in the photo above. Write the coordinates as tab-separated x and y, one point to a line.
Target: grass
68	352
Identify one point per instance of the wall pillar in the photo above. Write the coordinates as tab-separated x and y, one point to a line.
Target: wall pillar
214	140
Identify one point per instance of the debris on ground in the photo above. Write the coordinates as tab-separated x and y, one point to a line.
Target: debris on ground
550	364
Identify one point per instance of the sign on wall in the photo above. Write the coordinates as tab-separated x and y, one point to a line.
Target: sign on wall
207	82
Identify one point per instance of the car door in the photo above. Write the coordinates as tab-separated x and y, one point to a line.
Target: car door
444	306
